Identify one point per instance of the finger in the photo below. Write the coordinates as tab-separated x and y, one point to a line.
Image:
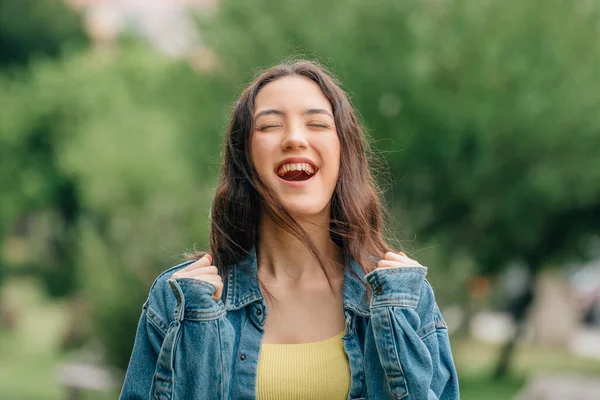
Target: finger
176	275
210	278
196	273
410	261
214	280
210	270
205	273
393	256
389	264
218	284
193	266
396	264
219	292
401	257
202	262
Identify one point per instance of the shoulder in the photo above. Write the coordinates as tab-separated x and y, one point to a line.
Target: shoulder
161	281
161	302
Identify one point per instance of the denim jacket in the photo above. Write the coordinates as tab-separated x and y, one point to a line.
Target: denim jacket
189	346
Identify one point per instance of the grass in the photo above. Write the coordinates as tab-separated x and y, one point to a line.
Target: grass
477	387
475	361
474	357
29	355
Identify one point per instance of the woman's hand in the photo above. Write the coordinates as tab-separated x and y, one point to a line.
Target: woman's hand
202	270
396	260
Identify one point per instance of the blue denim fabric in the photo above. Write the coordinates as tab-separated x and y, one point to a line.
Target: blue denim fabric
189	346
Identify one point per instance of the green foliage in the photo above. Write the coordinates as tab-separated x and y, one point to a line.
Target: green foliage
30	30
36	28
488	114
140	143
137	136
488	117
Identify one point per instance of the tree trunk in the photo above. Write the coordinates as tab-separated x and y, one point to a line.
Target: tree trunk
518	308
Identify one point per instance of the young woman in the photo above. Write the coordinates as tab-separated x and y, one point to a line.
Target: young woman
300	296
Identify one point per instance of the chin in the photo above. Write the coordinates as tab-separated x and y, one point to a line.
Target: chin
304	209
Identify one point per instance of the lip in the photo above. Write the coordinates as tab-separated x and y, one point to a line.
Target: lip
297	160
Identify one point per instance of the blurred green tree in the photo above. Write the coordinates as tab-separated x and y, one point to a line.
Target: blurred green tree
37	28
489	115
138	136
30	30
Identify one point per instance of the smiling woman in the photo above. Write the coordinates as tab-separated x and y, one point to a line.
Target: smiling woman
295	147
303	298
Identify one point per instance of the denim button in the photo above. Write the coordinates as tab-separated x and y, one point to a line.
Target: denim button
258	311
379	290
243	357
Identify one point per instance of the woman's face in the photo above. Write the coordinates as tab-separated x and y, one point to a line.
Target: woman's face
294	146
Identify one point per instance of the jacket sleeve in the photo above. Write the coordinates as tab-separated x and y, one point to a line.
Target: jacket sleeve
410	336
142	364
177	309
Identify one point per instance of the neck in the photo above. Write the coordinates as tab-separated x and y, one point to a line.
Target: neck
283	257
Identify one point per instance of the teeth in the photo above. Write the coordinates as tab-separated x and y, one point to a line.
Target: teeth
296	167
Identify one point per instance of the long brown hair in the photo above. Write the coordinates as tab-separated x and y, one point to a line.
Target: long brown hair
356	225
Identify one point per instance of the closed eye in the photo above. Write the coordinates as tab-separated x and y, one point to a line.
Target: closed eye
266	127
321	126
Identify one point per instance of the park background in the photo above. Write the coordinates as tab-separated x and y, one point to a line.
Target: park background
485	120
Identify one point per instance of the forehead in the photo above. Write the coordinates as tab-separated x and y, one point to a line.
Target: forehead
290	94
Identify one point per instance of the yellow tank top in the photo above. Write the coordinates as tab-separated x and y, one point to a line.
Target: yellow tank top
316	371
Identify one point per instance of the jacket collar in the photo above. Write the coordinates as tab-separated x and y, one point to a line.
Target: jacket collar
243	288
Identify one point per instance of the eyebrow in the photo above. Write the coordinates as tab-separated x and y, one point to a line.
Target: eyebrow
268	112
313	111
310	111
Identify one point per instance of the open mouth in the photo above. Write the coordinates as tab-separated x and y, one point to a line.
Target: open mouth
296	172
295	176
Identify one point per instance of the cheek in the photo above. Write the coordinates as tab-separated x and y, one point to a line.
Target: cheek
330	153
259	151
264	153
335	154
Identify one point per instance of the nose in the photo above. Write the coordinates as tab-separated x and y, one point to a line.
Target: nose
295	138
